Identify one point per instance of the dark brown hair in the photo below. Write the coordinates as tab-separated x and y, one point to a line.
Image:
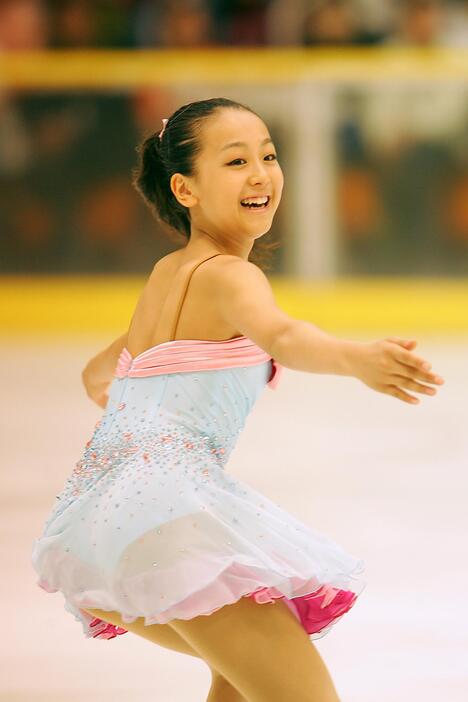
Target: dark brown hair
176	152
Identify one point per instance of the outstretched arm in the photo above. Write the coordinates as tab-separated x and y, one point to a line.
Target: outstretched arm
246	301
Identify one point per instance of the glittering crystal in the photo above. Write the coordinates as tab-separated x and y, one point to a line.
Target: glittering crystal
168	465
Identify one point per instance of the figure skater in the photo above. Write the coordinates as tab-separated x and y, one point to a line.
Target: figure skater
151	534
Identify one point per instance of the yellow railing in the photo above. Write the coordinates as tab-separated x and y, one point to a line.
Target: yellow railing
81	304
95	304
73	68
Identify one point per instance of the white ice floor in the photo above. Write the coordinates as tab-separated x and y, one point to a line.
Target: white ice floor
385	479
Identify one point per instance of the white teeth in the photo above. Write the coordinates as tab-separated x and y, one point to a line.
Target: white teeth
255	200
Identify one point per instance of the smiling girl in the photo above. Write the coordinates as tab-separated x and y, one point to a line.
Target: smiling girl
151	533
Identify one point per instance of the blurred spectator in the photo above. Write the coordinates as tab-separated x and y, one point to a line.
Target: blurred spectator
456	29
116	20
67	200
82	23
176	23
241	22
23	25
150	104
338	23
375	16
292	23
30	24
330	22
400	149
15	141
419	23
73	24
187	23
284	22
455	216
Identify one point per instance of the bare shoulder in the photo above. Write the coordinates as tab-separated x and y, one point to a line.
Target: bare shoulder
171	259
229	276
232	271
233	267
245	300
164	270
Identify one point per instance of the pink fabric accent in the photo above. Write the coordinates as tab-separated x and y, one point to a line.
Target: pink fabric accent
277	369
104	630
189	355
315	610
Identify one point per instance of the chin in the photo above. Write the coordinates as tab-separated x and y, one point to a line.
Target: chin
263	232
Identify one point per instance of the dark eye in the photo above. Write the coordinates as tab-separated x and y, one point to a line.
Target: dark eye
241	159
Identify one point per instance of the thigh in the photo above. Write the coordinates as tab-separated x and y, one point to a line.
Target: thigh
161	634
164	635
262	650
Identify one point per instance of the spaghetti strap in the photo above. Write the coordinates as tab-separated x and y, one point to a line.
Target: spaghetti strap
182	298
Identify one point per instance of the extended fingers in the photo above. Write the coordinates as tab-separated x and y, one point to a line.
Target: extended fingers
401	394
415	374
420	367
407	377
409	359
409	365
411	384
406	372
403	369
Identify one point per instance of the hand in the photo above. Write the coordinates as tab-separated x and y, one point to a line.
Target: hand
95	390
388	366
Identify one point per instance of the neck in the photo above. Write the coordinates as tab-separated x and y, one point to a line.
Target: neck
203	243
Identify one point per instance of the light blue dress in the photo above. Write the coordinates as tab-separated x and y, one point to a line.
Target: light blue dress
151	524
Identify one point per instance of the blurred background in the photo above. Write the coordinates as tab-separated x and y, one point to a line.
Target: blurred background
382	158
367	102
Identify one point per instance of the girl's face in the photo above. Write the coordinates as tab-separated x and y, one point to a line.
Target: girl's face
228	173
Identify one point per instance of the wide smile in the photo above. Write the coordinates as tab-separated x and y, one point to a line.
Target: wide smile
257	209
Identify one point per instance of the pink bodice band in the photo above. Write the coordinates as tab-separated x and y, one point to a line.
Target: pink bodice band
186	355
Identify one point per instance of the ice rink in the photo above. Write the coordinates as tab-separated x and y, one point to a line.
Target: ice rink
385	479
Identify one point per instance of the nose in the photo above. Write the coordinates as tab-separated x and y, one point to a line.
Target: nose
259	174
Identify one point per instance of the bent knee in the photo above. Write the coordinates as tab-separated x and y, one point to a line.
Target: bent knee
258	635
262	649
246	617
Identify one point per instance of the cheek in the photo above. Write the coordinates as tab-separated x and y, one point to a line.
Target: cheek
279	184
222	205
279	177
229	192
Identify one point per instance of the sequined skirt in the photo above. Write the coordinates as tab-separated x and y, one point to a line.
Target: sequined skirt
151	525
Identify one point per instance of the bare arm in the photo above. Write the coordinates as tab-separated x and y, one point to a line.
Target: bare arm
99	371
304	346
102	366
247	302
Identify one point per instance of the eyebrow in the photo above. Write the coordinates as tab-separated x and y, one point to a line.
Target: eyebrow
242	143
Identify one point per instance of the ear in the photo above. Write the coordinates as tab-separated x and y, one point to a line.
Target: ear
182	190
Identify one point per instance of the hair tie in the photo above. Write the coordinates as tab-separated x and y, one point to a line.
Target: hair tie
165	121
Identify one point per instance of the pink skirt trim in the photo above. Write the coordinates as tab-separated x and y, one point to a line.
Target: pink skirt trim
314	611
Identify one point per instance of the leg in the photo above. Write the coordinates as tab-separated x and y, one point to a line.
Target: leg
261	650
167	637
222	691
